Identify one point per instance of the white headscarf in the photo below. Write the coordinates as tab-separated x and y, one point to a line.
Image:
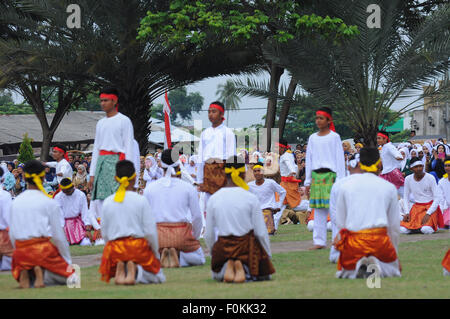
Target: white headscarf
4	166
407	156
415	151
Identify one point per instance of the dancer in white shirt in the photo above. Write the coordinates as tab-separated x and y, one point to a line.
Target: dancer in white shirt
325	163
128	225
265	190
391	159
179	219
425	215
353	168
74	213
217	143
242	249
444	187
367	218
288	171
114	141
35	218
6	248
61	164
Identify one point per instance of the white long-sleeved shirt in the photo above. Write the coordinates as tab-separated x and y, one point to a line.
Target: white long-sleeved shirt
131	218
324	152
233	211
177	203
5	209
389	154
34	215
113	134
215	142
444	187
368	201
424	191
73	206
136	162
63	167
334	193
287	164
266	193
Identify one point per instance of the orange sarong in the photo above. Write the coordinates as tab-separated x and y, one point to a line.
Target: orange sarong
368	242
417	213
293	196
132	249
38	252
446	261
6	248
178	236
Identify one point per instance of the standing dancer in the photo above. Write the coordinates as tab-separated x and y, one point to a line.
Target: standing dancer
390	158
265	190
35	219
114	141
288	171
217	143
367	218
444	186
6	248
62	165
325	162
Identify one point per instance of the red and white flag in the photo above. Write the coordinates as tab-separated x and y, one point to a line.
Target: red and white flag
167	111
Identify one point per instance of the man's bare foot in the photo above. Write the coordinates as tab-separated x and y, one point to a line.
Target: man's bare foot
315	247
165	258
229	271
39	282
131	273
24	279
174	262
120	274
239	276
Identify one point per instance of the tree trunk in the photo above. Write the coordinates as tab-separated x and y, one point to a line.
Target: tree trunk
275	75
369	136
47	137
135	103
287	105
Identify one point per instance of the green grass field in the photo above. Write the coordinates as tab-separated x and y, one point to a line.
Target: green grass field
305	274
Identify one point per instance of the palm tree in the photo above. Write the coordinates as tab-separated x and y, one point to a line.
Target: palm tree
228	96
364	76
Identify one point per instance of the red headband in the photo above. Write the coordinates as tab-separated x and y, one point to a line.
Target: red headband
382	135
284	146
62	151
110	97
216	106
328	116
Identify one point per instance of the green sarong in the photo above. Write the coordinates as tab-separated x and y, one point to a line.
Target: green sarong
319	193
104	182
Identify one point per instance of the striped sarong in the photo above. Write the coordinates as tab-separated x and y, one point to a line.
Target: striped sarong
319	192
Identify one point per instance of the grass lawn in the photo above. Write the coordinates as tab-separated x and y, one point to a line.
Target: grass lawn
299	275
77	250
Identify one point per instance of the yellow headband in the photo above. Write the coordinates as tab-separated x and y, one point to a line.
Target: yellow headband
446	162
372	168
37	180
258	166
124	182
235	176
66	187
178	173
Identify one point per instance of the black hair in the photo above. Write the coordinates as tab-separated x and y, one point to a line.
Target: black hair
33	167
283	141
166	157
1	172
235	161
437	147
326	109
65	182
110	90
369	156
447	158
125	168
